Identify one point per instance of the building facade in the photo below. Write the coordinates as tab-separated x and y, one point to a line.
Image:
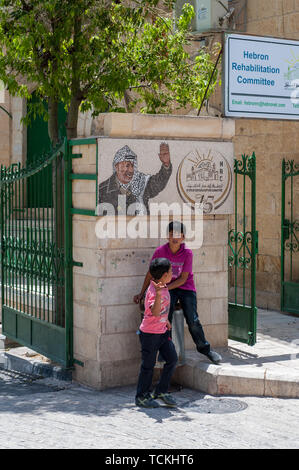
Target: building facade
271	140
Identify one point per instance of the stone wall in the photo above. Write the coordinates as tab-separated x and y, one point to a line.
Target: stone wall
105	317
5	131
278	18
13	133
271	140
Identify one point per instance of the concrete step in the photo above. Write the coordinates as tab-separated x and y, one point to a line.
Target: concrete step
19	358
241	373
25	360
6	342
269	368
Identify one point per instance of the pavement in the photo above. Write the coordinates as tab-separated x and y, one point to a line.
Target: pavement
40	412
269	368
45	413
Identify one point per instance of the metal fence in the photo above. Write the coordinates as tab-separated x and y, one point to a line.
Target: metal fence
35	310
290	237
242	251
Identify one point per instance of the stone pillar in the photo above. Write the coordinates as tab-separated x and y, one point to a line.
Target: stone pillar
105	317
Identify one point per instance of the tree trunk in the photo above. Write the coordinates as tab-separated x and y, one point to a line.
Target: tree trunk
72	118
127	100
53	121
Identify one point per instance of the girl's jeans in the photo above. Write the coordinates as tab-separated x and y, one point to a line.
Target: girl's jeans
150	345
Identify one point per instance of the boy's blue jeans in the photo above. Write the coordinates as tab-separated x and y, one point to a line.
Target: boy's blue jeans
189	305
150	345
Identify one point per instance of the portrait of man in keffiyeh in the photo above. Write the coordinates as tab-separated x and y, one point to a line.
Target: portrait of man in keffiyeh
127	180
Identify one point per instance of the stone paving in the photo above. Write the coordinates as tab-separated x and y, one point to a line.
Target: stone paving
38	413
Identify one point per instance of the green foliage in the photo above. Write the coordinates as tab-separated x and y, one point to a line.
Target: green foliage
91	52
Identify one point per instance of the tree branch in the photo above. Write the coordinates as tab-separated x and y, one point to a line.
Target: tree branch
26	7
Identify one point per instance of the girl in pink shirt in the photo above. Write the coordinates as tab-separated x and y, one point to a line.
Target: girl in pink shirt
154	334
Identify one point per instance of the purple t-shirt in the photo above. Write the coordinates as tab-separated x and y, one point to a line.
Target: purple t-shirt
181	261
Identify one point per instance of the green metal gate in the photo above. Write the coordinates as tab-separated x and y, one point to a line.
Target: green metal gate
36	257
290	237
243	248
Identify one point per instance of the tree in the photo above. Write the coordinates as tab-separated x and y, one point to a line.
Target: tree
89	54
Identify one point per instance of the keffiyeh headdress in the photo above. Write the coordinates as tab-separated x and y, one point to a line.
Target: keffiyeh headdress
139	180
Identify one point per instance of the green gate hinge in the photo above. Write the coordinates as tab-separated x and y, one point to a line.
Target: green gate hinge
77	263
79	363
76	155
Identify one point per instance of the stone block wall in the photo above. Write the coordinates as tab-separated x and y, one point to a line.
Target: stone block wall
105	317
5	131
279	18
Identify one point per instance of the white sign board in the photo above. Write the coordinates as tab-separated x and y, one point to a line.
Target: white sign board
261	77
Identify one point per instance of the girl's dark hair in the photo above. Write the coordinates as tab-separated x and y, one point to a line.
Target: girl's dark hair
177	227
158	267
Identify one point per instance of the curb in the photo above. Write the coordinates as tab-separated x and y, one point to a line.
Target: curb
2	342
225	380
14	362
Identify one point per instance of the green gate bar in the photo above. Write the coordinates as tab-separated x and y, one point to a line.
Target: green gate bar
289	239
68	237
243	248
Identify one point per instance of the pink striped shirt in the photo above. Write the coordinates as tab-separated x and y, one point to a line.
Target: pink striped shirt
150	323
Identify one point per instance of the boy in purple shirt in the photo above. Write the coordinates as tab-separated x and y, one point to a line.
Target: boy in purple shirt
182	286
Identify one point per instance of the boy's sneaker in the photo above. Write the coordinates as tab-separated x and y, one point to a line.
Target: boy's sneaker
166	398
146	401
